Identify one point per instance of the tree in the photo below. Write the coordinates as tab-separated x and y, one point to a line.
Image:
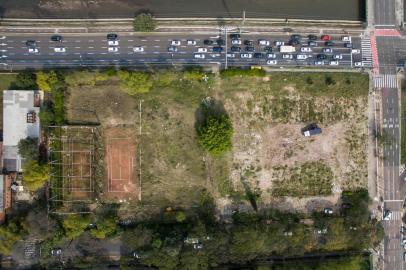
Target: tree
180	217
28	148
105	227
26	80
35	174
46	116
45	80
134	83
144	22
10	233
75	225
215	134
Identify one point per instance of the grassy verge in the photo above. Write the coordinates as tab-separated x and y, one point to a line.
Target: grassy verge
403	124
6	81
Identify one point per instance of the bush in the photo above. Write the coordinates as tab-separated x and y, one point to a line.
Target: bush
35	174
46	116
28	148
10	233
85	77
104	227
26	80
75	225
46	80
134	83
144	22
232	72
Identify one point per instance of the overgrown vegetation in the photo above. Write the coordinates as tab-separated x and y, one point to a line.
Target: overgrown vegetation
233	72
144	22
35	174
28	148
10	233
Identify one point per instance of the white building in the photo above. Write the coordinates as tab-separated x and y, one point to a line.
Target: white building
20	120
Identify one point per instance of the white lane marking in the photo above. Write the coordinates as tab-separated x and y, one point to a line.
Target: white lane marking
103	53
77	40
91	40
90	53
77	47
157	46
90	47
144	40
77	53
13	47
156	52
157	40
130	40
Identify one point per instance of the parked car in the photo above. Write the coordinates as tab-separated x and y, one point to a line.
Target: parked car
312	43
328	211
312	37
172	49
296	36
250	49
279	43
319	63
31	43
235	49
306	49
259	55
325	37
230	55
268	49
248	42
294	42
112	36
271	62
355	51
202	50
246	55
138	49
112	43
199	56
236	41
175	42
327	50
321	56
329	43
301	57
358	64
346	38
287	56
59	49
270	55
334	63
263	42
235	36
217	49
208	42
220	42
338	56
191	42
112	49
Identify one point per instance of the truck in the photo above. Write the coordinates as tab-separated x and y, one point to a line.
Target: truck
287	49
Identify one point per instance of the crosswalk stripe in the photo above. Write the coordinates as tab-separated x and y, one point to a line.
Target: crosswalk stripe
366	51
385	81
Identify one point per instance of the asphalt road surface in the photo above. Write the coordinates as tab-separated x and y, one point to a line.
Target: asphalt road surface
93	50
385	13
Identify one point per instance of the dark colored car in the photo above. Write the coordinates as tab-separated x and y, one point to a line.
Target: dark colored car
321	56
348	45
312	43
235	49
312	37
208	42
268	49
31	43
248	42
250	49
235	36
217	49
294	42
259	55
172	49
220	42
112	36
329	43
295	37
57	38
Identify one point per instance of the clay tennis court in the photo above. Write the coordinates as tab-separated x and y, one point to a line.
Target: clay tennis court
121	162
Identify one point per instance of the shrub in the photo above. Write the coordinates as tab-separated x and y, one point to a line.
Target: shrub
26	80
35	174
144	22
45	80
215	134
28	148
75	225
134	83
104	227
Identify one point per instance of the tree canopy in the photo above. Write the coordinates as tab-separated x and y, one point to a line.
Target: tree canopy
144	22
75	225
26	80
45	80
28	148
104	227
35	174
135	82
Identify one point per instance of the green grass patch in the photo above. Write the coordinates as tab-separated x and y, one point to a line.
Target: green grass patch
233	72
6	83
403	124
309	179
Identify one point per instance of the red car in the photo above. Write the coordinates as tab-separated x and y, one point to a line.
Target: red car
325	37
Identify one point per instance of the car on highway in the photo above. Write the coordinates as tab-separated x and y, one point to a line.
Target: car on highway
249	49
199	56
325	37
263	42
312	37
301	57
319	63
358	64
138	49
327	50
230	55
279	43
208	42
202	50
191	42
294	42
271	62
220	42
259	55
175	42
312	43
355	51
296	37
112	36
321	56
306	49
112	43
31	43
235	36
235	49
217	49
248	42
112	49
346	38
172	49
348	45
56	38
270	55
334	63
287	56
329	43
337	56
215	55
59	49
236	41
33	50
268	49
246	55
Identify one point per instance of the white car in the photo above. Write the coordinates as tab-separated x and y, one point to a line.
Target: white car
306	49
270	55
301	57
175	42
138	49
202	50
271	62
112	42
358	64
199	56
263	42
287	56
236	41
112	49
387	215
191	42
327	50
334	63
33	50
279	43
231	55
59	49
346	38
319	63
215	55
246	55
338	56
355	51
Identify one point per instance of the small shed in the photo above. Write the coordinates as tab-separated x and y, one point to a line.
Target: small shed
311	130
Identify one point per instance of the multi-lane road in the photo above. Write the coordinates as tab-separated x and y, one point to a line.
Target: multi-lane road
93	50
